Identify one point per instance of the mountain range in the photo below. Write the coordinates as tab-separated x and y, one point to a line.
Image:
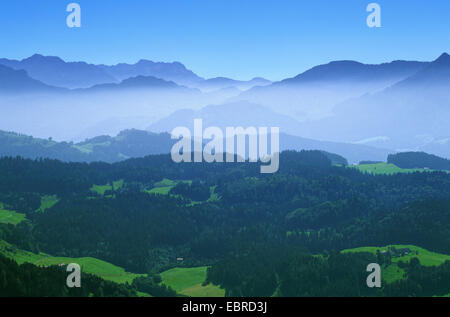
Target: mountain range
53	71
398	106
314	93
412	114
17	81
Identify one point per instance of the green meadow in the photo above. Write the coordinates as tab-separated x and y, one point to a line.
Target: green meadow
426	258
160	190
185	281
189	282
101	189
384	168
393	272
89	265
163	188
214	196
10	217
48	202
166	183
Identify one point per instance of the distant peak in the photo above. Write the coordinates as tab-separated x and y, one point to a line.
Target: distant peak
343	63
145	61
39	57
444	58
259	79
36	56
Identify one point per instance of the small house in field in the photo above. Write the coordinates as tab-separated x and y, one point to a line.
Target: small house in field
399	252
180	259
404	251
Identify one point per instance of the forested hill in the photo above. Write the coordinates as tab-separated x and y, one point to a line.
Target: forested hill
138	143
28	280
143	214
419	160
127	144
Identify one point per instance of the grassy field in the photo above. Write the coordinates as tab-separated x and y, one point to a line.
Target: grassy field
166	183
93	266
392	272
188	281
214	196
185	281
160	190
48	202
426	258
89	148
163	188
101	189
384	168
10	217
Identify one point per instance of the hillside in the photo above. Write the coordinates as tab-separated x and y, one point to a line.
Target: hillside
392	271
138	143
130	143
419	160
196	227
93	266
189	282
386	169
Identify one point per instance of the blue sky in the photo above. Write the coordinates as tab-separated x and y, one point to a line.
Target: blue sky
234	38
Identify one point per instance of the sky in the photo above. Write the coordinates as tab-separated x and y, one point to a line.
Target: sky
240	39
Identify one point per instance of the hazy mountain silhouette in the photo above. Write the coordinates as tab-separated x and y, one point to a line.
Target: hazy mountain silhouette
224	83
436	74
54	71
17	81
314	93
354	153
175	71
399	105
351	71
412	114
139	82
243	114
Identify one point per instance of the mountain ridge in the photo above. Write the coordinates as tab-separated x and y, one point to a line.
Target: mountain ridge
133	143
